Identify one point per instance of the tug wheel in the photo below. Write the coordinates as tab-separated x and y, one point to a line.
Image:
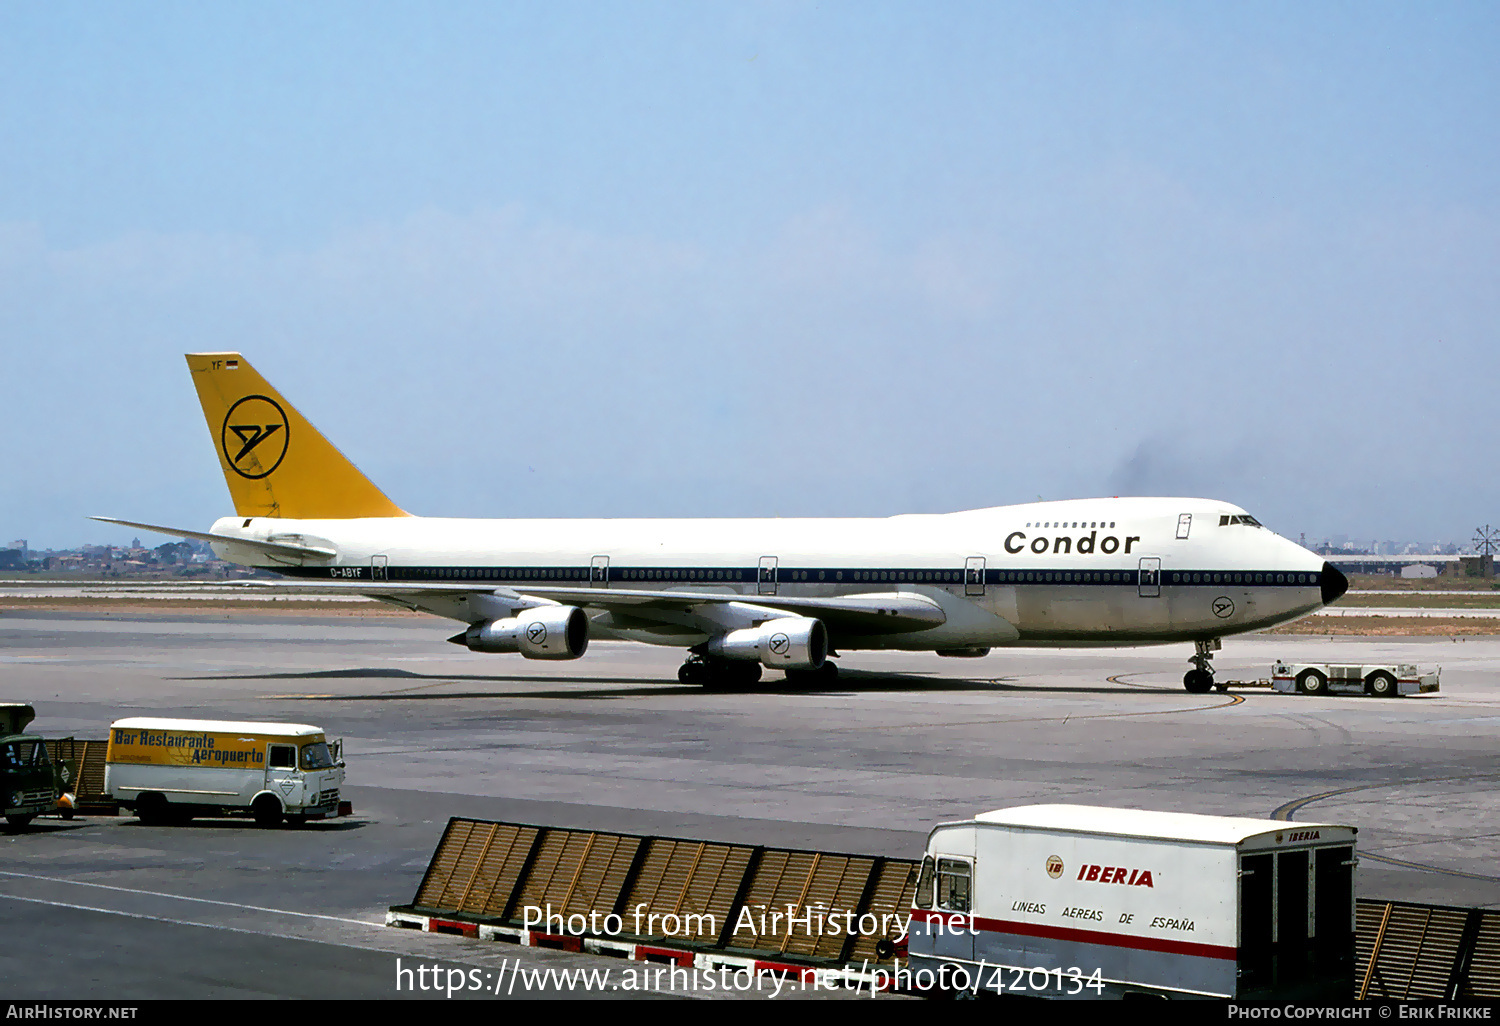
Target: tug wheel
1311	682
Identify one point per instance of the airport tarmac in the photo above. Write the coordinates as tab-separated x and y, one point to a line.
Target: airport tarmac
106	908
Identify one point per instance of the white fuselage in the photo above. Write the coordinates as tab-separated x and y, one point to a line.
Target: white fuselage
1071	573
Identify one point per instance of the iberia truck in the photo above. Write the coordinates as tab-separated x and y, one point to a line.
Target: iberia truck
1075	901
168	770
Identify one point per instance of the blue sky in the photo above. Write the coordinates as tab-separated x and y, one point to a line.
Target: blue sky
612	259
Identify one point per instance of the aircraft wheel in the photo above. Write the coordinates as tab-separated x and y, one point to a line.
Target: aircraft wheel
1382	685
1311	682
726	674
1198	682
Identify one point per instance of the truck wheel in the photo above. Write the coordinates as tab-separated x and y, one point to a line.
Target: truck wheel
151	809
1311	682
267	811
1382	685
20	822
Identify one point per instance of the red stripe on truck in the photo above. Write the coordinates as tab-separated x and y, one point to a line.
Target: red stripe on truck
1068	933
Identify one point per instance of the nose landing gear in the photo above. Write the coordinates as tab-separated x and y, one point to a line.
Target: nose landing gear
1200	679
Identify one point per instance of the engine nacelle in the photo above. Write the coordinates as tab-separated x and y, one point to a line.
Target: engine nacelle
545	632
788	643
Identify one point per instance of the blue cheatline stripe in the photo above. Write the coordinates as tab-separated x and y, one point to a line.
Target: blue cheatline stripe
811	575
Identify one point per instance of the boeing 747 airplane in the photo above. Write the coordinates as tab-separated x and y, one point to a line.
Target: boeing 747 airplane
740	595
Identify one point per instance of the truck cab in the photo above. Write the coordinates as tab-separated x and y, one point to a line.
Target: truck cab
28	780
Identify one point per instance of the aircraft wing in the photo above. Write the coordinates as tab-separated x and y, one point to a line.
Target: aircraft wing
875	613
888	612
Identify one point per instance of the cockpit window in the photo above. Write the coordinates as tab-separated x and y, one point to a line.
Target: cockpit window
1240	518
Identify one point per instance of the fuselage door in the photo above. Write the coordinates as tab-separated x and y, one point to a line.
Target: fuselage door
377	568
599	572
1184	525
765	582
1150	579
974	575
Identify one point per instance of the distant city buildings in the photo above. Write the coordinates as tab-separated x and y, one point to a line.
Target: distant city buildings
170	560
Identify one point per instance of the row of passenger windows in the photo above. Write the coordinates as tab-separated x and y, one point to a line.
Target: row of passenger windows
1186	578
1066	525
495	573
1099	578
902	575
680	575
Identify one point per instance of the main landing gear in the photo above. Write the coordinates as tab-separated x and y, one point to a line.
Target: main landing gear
708	672
719	673
1200	679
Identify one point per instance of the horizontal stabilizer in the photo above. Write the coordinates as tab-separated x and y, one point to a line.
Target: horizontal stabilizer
273	548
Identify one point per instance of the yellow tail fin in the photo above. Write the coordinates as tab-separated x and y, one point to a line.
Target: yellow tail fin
275	462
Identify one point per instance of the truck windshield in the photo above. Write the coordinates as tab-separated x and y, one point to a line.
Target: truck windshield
316	756
22	754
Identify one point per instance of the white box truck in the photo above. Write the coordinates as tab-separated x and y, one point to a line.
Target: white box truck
1076	901
168	770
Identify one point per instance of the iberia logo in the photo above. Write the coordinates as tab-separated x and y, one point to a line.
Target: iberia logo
1054	866
1117	874
254	436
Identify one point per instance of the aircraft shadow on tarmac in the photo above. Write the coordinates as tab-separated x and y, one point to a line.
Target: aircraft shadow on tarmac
861	681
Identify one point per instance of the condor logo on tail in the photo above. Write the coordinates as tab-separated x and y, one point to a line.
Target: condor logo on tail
254	436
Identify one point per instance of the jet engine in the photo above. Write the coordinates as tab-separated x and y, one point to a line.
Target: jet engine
545	632
787	643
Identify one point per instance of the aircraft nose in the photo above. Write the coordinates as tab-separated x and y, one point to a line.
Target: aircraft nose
1334	583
